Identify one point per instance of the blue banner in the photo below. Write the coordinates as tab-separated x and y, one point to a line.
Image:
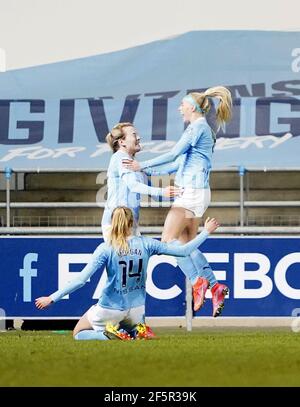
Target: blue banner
262	275
57	115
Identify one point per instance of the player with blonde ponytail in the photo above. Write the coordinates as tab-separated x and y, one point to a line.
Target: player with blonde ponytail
191	159
120	311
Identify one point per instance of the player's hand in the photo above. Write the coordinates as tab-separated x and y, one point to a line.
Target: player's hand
171	192
43	302
211	225
131	164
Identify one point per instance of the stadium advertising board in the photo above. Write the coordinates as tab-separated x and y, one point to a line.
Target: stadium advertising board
61	114
261	272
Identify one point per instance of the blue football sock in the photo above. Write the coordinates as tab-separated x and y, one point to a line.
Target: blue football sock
186	264
203	267
90	334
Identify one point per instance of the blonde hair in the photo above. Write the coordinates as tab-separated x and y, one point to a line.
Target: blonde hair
117	133
122	222
224	109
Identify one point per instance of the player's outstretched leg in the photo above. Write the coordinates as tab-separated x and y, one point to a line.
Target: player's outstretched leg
90	334
190	270
206	278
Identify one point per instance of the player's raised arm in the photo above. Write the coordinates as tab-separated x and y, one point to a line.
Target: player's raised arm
180	148
141	188
183	250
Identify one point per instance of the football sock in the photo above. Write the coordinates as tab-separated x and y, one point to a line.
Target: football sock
195	265
90	334
186	264
203	267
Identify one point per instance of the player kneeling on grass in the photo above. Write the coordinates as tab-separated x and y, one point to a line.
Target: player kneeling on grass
119	313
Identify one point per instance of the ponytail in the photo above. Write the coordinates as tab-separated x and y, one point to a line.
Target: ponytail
224	109
122	222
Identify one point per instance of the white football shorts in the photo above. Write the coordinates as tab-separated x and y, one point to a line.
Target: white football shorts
194	200
98	317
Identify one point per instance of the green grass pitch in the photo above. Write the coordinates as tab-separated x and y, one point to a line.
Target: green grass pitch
203	357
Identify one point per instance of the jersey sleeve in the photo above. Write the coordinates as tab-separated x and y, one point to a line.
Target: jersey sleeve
157	247
99	258
180	147
135	186
164	169
130	179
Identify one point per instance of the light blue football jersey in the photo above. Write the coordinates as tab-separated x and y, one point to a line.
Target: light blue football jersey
125	188
196	148
126	284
